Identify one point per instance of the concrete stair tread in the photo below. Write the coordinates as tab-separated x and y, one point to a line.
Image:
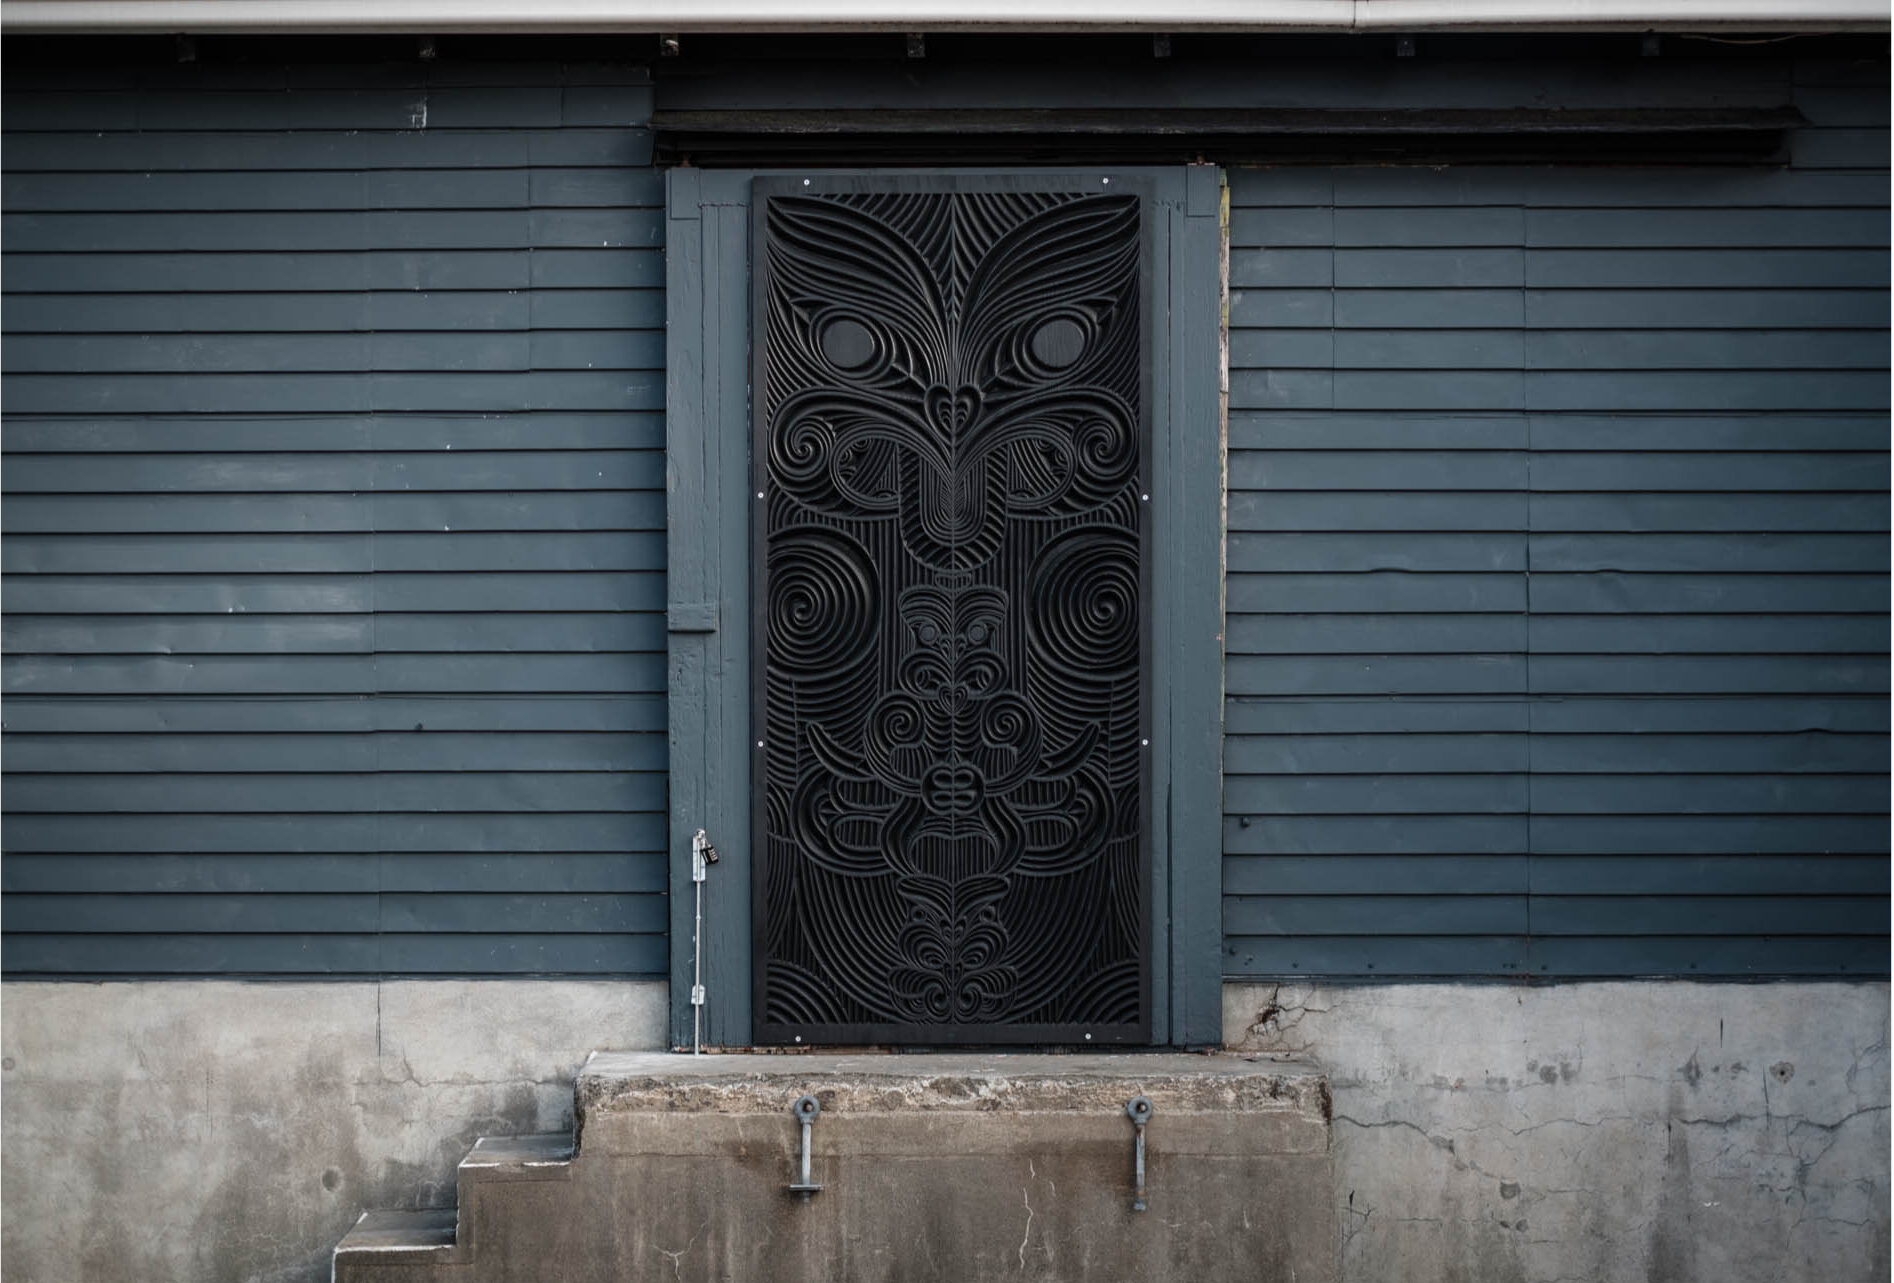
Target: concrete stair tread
428	1229
1094	1084
432	1234
546	1150
675	1067
545	1157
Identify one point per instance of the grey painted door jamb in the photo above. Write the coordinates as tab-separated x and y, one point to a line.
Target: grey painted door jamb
707	427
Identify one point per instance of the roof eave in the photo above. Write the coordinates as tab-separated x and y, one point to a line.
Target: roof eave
765	16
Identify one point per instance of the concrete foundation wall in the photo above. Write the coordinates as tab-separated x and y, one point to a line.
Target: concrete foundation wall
209	1130
214	1130
1642	1131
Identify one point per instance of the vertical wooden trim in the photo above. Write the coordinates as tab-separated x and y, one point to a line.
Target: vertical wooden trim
727	933
687	578
707	555
1195	657
1166	214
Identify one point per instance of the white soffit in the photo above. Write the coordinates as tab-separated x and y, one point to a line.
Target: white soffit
939	15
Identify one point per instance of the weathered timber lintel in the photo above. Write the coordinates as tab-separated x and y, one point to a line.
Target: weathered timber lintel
736	137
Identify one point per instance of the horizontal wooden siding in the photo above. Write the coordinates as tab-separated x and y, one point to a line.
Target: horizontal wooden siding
334	508
1557	635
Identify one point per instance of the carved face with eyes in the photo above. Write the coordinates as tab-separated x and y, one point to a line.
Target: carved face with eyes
949	398
951	361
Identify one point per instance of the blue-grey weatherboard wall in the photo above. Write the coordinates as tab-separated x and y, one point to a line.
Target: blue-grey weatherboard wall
336	534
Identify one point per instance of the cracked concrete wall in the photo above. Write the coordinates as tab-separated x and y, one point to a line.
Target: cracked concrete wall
1660	1131
1663	1131
211	1130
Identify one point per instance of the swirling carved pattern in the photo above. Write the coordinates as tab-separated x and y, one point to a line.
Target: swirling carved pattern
951	401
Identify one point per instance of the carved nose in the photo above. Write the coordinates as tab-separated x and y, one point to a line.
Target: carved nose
952	411
954	789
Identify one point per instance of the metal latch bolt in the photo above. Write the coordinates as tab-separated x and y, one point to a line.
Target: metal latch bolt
805	1111
703	855
1139	1109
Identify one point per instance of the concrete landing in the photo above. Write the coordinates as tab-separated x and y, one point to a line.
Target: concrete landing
950	1167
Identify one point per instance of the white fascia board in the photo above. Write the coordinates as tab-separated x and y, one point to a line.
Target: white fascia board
937	15
674	15
1621	15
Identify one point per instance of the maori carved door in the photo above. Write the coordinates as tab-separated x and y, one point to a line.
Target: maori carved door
951	688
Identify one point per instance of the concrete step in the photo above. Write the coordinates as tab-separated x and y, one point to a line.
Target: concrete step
517	1158
442	1236
418	1237
932	1169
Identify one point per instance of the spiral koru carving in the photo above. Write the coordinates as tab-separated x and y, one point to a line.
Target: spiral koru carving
951	414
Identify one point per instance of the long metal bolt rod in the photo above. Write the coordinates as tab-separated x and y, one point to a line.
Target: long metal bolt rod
703	855
1139	1109
805	1111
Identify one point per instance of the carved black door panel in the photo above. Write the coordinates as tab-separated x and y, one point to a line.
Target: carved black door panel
951	691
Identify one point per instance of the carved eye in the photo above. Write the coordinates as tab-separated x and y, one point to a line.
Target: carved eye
1058	343
849	345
